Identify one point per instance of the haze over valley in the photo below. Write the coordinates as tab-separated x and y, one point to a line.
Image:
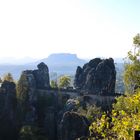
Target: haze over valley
60	63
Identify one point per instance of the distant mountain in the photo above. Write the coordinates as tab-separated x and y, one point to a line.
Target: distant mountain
15	70
63	59
61	63
16	61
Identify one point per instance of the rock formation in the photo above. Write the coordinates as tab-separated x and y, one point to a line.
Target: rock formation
52	110
9	125
40	107
39	78
73	126
42	76
97	77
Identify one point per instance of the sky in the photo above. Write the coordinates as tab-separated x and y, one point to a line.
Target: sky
88	28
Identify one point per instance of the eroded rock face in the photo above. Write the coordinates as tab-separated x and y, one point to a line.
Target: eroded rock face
42	76
98	76
73	126
71	105
39	78
50	123
30	81
9	125
28	74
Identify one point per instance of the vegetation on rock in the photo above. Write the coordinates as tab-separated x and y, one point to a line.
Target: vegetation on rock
8	77
64	82
121	122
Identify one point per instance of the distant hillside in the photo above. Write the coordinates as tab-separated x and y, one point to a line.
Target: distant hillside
16	61
63	59
61	63
15	70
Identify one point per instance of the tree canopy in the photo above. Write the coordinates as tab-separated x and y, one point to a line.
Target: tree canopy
54	84
8	77
132	66
64	81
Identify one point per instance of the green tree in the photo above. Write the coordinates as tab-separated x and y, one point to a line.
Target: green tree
64	82
23	94
132	67
22	87
121	122
54	84
8	77
91	112
28	132
125	116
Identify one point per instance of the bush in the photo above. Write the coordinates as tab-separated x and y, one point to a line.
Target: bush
31	133
121	122
91	112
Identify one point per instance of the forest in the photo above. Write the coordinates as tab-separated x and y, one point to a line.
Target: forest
37	108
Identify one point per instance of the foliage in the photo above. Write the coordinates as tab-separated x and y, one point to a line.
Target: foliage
22	94
126	118
22	87
54	84
91	112
132	67
31	133
0	80
128	103
64	81
121	122
8	77
101	128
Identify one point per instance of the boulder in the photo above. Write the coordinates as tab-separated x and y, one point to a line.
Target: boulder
71	105
73	126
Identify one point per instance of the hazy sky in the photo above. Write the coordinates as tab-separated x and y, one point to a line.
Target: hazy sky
89	28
